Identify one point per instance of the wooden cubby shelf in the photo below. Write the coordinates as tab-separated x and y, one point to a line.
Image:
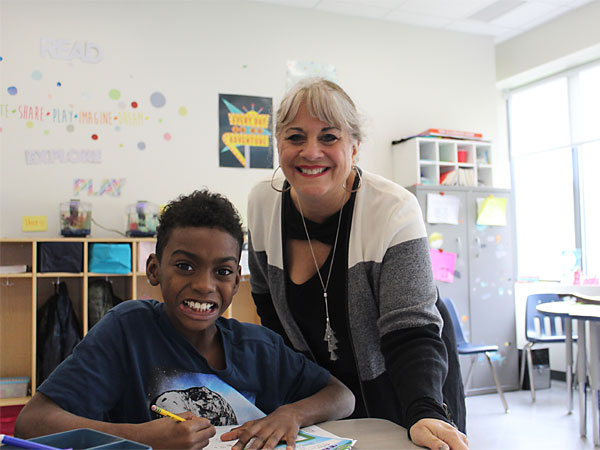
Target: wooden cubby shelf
22	294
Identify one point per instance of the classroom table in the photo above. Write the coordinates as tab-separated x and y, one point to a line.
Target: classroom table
371	434
585	312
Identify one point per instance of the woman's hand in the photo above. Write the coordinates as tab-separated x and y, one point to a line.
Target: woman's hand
438	435
281	425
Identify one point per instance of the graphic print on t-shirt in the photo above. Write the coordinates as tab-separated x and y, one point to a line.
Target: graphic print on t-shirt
205	395
201	401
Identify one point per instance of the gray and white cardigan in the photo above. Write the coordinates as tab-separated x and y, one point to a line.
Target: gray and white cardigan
390	284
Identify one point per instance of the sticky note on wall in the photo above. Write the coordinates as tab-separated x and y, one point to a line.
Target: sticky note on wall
35	223
443	265
492	211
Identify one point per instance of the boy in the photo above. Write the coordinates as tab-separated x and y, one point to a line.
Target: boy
183	357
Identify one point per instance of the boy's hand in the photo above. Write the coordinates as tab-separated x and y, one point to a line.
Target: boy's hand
194	433
281	425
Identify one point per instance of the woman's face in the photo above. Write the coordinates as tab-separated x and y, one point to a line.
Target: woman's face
315	156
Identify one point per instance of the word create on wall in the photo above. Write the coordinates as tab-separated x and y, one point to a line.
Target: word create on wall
109	186
88	52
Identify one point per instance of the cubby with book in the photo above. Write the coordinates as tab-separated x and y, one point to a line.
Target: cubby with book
442	161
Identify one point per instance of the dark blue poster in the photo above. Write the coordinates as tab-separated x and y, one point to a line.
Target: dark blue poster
245	131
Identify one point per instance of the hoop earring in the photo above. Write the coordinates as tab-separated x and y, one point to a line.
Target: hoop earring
273	185
355	168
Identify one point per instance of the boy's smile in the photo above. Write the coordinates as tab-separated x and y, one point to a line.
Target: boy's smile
198	275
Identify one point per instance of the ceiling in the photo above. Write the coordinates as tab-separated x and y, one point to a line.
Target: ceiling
501	19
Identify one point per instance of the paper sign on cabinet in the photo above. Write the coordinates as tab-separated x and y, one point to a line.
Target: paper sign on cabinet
442	208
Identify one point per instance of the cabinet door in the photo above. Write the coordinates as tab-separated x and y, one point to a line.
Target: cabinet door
454	240
491	273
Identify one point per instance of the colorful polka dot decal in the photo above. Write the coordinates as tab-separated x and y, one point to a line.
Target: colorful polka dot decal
158	100
128	114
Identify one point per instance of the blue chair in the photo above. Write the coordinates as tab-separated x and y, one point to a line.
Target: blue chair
466	348
541	328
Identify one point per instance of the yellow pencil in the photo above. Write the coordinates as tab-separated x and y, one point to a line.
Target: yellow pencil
166	413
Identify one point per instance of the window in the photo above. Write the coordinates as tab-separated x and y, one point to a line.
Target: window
555	157
590	181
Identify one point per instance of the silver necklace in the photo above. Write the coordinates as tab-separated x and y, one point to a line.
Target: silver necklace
329	334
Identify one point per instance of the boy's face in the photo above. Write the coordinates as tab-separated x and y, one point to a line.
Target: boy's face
199	274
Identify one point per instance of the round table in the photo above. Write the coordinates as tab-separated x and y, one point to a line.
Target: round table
371	434
584	312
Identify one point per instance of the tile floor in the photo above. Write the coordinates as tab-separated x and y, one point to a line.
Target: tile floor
543	425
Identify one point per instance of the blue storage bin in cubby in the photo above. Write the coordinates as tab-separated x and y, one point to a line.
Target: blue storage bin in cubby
60	257
110	258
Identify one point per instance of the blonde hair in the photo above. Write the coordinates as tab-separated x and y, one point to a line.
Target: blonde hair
325	101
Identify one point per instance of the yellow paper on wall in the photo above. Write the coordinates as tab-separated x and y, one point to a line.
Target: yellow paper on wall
35	223
492	211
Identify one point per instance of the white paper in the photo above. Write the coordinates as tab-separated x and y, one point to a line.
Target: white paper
144	250
442	208
328	441
244	262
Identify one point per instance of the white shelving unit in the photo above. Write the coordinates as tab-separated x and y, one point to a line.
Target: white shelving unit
426	160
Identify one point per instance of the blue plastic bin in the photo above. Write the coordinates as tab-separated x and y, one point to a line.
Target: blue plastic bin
85	439
110	258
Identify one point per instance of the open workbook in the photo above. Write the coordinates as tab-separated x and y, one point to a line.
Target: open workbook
309	438
206	394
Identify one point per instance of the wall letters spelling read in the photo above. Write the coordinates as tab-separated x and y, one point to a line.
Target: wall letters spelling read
64	49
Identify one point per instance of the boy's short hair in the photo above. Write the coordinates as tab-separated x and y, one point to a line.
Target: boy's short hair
199	209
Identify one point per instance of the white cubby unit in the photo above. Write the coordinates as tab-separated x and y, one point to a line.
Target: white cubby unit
430	161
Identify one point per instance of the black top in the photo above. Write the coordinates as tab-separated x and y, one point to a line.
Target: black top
306	300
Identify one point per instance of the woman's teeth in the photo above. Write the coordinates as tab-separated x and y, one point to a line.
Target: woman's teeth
312	171
199	306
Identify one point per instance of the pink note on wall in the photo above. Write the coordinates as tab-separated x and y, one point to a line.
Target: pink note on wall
443	265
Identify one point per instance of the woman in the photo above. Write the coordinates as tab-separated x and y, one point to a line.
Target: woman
340	267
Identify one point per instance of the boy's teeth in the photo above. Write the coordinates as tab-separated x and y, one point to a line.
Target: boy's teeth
312	171
199	306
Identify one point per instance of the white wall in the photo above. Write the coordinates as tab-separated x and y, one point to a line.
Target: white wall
404	80
569	40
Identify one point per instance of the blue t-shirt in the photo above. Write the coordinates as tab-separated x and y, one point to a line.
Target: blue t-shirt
134	358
